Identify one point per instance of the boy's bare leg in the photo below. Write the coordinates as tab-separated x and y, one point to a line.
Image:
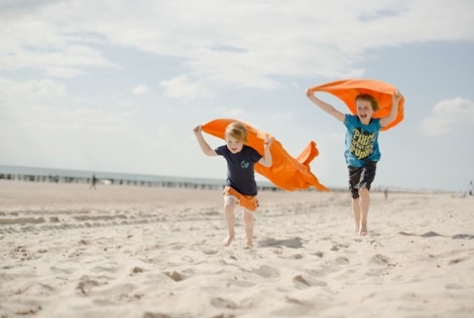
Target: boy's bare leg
229	206
356	210
248	221
364	210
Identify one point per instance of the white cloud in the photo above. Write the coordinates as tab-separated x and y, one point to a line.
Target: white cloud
19	96
228	112
79	120
183	88
449	116
48	50
140	89
39	104
249	44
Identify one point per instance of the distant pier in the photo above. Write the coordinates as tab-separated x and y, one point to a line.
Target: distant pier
119	181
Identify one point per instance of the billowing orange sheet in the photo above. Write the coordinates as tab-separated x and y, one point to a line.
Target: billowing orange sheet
348	89
286	172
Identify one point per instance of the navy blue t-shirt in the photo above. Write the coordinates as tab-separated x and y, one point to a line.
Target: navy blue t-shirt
240	173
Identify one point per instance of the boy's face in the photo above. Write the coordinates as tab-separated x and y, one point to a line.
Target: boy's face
233	145
364	111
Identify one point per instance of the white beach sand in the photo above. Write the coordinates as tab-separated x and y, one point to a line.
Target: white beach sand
130	251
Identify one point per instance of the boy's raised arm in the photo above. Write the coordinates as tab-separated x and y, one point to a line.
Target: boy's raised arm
325	106
206	149
266	160
394	112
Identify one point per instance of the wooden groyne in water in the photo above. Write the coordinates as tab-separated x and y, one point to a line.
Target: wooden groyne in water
118	181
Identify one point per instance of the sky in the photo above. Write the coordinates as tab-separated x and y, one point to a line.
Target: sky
118	86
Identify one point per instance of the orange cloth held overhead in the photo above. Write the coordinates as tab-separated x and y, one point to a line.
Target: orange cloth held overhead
286	172
348	89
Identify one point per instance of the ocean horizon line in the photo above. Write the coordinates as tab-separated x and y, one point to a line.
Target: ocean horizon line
106	176
83	173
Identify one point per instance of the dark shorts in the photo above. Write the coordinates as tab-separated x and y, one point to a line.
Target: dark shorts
360	177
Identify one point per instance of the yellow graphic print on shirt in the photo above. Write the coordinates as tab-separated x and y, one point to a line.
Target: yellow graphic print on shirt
362	144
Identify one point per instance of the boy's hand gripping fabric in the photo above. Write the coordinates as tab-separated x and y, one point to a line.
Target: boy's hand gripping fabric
348	89
286	172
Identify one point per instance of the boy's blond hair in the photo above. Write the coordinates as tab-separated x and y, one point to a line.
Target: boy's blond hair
237	131
369	98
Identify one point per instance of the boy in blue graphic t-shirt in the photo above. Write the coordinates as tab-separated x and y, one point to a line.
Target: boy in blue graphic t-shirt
241	187
362	148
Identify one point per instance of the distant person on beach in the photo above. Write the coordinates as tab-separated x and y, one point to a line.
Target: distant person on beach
241	187
362	148
94	181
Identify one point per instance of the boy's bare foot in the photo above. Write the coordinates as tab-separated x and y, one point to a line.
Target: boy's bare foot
249	243
228	240
363	230
357	225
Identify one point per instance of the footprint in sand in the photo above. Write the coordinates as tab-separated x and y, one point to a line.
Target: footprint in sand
303	283
223	303
456	261
149	314
240	283
36	289
176	276
86	284
453	287
379	259
29	312
271	242
102	269
136	270
267	272
66	271
320	254
337	247
210	251
463	236
300	280
342	260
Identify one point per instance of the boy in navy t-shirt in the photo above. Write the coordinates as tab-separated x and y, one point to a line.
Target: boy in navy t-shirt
362	148
241	187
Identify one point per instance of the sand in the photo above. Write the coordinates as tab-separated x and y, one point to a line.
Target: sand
131	251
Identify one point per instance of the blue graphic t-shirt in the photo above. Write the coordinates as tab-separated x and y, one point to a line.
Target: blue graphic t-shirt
240	173
361	141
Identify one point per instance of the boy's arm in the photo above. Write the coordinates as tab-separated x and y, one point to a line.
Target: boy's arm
206	149
325	107
266	160
394	112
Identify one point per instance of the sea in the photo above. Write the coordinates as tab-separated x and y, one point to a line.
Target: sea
85	174
101	175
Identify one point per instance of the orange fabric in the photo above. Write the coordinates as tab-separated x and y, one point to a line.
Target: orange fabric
249	202
348	89
286	172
